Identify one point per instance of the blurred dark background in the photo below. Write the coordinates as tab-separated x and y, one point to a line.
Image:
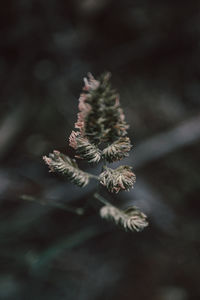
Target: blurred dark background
152	49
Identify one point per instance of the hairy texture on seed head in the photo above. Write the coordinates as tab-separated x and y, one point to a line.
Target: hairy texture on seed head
131	218
84	149
117	150
61	163
100	117
118	179
87	151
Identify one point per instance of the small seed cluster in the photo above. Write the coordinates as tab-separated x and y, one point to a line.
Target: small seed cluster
131	218
118	179
61	163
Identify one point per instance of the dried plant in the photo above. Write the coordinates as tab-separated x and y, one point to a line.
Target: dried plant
101	134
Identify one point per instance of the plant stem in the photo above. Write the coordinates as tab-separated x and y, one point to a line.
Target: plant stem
78	211
93	176
101	199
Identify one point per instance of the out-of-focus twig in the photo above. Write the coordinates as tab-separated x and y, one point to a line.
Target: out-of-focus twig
144	195
76	210
167	142
69	242
11	127
151	202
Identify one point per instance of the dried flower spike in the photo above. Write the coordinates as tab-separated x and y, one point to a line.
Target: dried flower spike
100	120
131	218
101	133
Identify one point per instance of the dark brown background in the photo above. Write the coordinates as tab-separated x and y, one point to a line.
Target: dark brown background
152	50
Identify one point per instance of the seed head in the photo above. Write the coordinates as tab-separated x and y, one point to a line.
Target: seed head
118	179
100	117
117	150
61	163
131	218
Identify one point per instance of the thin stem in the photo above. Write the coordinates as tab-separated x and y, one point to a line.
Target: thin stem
104	165
93	176
78	211
101	199
97	195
